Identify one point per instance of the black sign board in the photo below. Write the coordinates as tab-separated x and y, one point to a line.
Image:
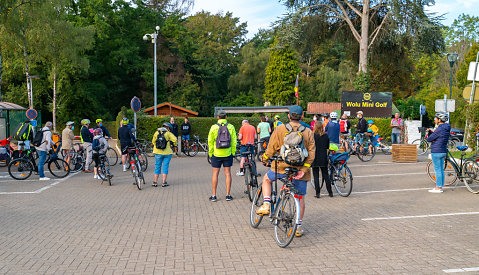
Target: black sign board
373	104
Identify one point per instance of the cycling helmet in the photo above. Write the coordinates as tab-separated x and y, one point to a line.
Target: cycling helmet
442	116
98	132
333	147
70	123
333	115
276	116
85	121
370	121
166	124
125	121
98	120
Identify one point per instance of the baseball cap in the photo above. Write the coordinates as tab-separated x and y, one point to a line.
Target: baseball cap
221	113
295	109
70	123
359	112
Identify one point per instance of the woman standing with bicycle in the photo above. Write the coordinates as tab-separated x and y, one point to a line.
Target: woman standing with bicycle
438	140
321	141
163	152
99	146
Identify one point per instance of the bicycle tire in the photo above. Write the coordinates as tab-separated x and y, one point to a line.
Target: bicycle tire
285	219
135	172
20	169
143	161
450	174
58	168
193	150
76	162
422	144
364	154
258	200
149	149
386	147
112	155
470	176
5	162
343	181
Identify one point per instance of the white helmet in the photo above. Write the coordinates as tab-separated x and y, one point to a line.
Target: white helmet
442	116
333	115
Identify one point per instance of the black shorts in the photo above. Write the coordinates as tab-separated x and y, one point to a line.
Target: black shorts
123	148
96	158
216	162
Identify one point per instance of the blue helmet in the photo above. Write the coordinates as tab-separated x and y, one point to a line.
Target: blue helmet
370	121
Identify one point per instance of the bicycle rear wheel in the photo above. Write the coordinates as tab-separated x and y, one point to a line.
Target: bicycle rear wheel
256	219
193	150
470	170
58	168
386	146
450	175
365	153
143	161
422	146
343	181
75	162
112	156
135	171
286	217
20	169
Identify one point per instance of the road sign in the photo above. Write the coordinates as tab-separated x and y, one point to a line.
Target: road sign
33	123
135	104
422	109
466	93
470	73
441	105
31	113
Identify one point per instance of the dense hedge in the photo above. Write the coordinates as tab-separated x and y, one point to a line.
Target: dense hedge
472	116
381	123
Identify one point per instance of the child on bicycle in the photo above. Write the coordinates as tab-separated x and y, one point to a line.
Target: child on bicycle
373	132
99	147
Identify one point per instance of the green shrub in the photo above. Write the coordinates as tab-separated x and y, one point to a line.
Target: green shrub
381	123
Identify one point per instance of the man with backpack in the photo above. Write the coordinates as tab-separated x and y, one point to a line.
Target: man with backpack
295	143
43	144
163	152
333	128
127	139
222	146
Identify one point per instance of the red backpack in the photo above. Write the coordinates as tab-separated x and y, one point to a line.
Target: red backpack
343	124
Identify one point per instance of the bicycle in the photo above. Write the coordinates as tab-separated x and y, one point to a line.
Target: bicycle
104	169
136	166
423	144
250	175
145	146
467	170
364	148
6	152
141	156
77	158
21	168
339	173
204	146
384	144
261	147
285	210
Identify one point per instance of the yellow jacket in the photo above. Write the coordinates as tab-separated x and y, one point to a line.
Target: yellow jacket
276	141
167	151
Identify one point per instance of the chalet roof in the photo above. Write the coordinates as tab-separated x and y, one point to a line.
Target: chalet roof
10	106
172	106
322	107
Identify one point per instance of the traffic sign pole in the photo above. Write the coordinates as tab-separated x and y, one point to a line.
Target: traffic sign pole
136	107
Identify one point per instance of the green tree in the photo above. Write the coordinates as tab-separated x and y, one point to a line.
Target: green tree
461	74
281	75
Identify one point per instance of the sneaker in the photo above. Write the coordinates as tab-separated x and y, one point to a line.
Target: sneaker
299	231
240	174
44	178
229	198
213	198
96	177
264	209
165	184
124	169
154	184
434	190
87	171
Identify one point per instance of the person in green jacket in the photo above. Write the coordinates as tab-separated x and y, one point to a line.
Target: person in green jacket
221	156
163	156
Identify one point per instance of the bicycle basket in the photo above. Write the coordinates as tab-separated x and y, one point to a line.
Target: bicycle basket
339	157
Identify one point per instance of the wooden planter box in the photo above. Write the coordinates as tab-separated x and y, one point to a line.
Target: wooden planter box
404	153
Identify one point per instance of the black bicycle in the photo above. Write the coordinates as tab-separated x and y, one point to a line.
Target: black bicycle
250	175
22	167
285	210
136	166
104	169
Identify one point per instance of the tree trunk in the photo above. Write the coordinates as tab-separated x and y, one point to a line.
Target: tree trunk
363	43
54	111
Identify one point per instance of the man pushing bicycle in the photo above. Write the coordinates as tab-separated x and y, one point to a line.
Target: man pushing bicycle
296	145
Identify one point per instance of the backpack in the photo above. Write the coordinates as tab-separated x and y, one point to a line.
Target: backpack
38	139
223	140
343	126
161	141
23	132
293	151
95	146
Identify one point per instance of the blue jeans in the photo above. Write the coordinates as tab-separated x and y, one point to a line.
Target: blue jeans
438	162
395	138
42	156
162	162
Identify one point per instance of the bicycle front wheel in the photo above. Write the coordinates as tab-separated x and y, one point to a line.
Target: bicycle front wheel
58	168
386	146
193	150
286	218
112	156
20	169
75	161
470	170
135	171
422	146
258	200
343	181
366	152
143	161
450	174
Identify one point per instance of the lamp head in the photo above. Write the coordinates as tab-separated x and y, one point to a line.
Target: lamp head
145	37
452	58
157	28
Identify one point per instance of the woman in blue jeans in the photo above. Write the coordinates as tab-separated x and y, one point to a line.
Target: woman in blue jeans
438	140
162	141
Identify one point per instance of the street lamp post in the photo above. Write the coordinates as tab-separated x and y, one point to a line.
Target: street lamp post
30	77
452	58
154	37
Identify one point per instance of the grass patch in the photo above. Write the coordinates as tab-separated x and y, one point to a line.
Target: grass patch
457	154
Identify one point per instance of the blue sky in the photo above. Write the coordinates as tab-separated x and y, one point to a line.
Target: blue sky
261	13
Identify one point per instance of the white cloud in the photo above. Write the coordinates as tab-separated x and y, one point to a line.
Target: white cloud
452	9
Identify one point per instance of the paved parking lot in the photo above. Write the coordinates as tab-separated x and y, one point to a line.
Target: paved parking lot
389	225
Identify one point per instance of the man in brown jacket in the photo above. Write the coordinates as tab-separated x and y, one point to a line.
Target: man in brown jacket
304	175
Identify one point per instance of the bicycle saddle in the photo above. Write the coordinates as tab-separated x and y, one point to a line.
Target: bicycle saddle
462	148
291	170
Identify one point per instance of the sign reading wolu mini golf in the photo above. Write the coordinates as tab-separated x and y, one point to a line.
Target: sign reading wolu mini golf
373	104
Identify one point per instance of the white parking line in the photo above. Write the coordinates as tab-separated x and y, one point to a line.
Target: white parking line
401	190
464	269
420	216
382	164
41	189
386	175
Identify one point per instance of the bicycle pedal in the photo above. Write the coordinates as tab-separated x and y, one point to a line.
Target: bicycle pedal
258	174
